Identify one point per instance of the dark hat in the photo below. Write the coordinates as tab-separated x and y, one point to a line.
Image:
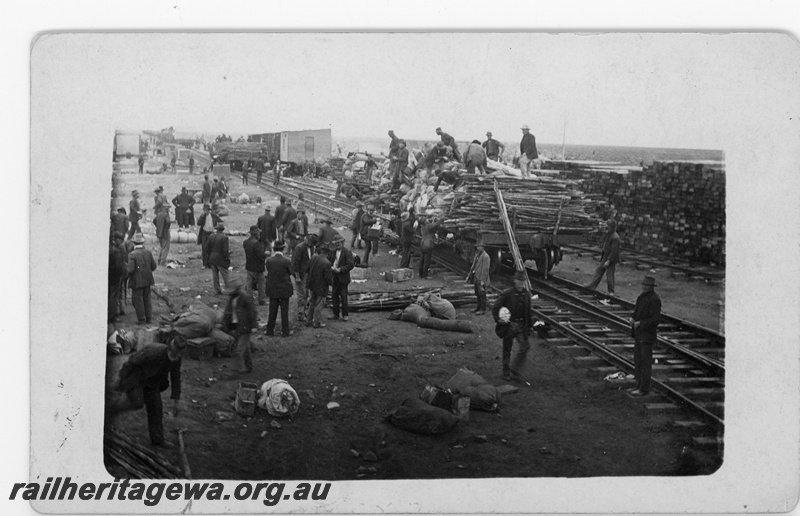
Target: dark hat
160	189
402	141
476	141
121	210
254	230
278	246
219	225
520	275
135	192
312	238
119	235
337	239
183	189
177	343
206	206
283	198
438	128
649	280
138	238
440	144
488	133
326	219
216	179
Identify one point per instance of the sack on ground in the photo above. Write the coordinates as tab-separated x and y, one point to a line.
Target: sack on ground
224	343
278	398
482	394
445	324
243	199
413	313
441	308
197	322
417	416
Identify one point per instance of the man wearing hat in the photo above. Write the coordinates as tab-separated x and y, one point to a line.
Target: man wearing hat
119	222
269	229
493	147
117	269
184	208
279	211
289	214
527	150
141	163
367	220
255	253
240	318
398	162
609	259
326	233
159	200
479	275
355	225
342	262
297	230
517	300
320	278
136	214
440	153
206	223
147	373
644	326
219	257
301	257
428	229
449	141
394	143
207	190
475	158
279	289
406	239
163	223
141	265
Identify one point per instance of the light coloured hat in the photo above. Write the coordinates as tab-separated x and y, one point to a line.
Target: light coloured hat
525	127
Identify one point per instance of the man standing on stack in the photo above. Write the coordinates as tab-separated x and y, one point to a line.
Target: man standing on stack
355	225
269	232
205	228
493	147
406	239
475	158
449	141
644	330
141	265
162	233
343	263
184	208
527	149
394	143
255	254
297	230
219	258
514	323
206	191
279	290
301	257
320	278
240	318
480	277
398	162
279	211
609	259
428	230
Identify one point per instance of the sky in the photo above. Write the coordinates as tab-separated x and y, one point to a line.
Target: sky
627	89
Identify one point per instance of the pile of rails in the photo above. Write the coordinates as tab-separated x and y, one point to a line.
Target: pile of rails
137	460
672	209
533	205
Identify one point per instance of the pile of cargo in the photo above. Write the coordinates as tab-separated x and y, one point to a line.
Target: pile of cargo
669	208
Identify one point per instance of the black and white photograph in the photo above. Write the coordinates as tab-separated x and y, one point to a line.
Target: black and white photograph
412	271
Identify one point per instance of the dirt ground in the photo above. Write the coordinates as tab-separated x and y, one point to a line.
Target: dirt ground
566	424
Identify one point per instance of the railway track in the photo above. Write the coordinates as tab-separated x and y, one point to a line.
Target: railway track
593	328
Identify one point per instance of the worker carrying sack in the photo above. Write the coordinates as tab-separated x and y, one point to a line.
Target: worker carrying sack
417	416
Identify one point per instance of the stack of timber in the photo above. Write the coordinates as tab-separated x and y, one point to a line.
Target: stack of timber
533	206
137	460
674	209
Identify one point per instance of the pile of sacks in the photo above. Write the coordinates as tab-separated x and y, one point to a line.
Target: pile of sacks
203	327
434	312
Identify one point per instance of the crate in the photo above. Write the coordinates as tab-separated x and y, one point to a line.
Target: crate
201	348
246	399
399	275
437	397
360	273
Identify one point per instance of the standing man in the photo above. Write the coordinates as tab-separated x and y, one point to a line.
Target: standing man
289	214
279	217
162	233
120	222
146	374
205	228
475	158
117	269
141	163
279	290
219	258
191	164
449	141
644	326
240	319
609	259
269	232
517	300
355	225
399	162
160	200
320	278
301	258
343	263
296	230
367	220
259	169
428	231
527	150
326	233
493	147
255	253
406	239
223	188
480	277
184	208
173	162
141	265
215	191
246	172
300	204
276	172
394	143
206	191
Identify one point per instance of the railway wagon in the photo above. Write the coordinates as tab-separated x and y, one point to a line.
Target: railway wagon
296	146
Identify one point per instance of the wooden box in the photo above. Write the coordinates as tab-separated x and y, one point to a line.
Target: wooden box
360	273
399	275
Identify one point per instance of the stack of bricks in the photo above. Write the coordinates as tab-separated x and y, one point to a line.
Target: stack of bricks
670	209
